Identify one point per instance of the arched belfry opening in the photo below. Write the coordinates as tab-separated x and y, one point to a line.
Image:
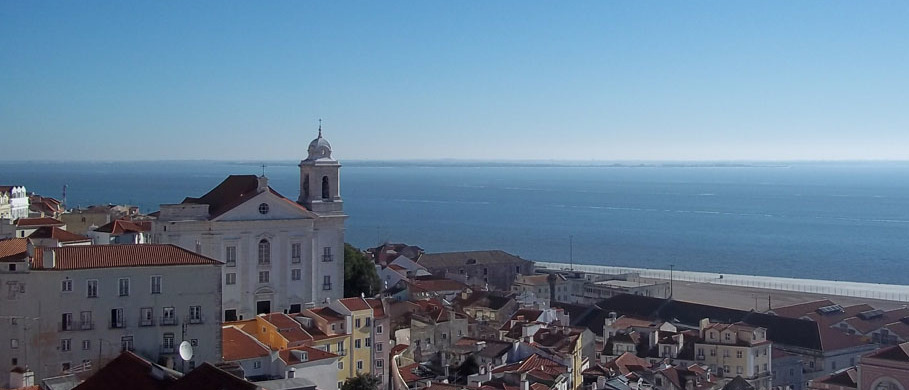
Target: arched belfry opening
326	193
306	189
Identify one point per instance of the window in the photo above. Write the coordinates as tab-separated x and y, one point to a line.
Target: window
295	252
257	364
725	353
86	345
67	285
378	347
295	274
485	271
368	342
341	347
12	268
124	287
517	269
66	345
230	256
264	252
66	322
85	320
169	316
756	369
13	343
116	318
295	308
359	365
230	278
738	370
263	276
168	343
738	354
263	208
811	364
126	343
357	343
326	254
326	282
728	336
368	321
378	329
712	352
357	322
725	370
195	314
340	366
91	290
156	284
145	317
379	363
65	366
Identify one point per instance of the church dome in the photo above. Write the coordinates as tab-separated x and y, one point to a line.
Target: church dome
319	148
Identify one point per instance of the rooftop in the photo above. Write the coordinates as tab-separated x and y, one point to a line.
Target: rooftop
239	345
57	234
453	259
14	250
35	222
116	256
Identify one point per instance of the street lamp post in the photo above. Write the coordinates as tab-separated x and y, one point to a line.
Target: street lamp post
671	266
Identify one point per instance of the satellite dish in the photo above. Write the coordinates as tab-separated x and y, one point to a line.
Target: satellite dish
186	350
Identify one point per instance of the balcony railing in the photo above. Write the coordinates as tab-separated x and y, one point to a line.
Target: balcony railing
168	321
147	322
195	320
65	326
167	349
326	286
117	324
327	258
86	325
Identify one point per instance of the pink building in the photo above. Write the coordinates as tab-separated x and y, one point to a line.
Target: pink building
885	369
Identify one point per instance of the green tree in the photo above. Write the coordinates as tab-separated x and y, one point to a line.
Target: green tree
468	368
362	382
359	274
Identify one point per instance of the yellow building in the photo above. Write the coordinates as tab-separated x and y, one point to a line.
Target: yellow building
359	319
735	350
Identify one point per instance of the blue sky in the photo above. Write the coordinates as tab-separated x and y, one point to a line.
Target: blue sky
604	80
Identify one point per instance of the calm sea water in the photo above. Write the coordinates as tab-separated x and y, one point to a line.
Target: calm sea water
825	221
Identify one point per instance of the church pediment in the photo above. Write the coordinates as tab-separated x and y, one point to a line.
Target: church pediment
265	290
267	205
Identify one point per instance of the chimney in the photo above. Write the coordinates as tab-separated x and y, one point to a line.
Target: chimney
703	324
262	184
291	372
525	384
48	258
601	382
689	384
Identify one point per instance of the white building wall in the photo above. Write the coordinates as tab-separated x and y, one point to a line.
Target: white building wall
34	318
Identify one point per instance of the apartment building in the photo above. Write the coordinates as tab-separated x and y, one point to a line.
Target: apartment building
732	350
72	309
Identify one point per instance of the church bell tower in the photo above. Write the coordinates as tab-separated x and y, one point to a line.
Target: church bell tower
319	181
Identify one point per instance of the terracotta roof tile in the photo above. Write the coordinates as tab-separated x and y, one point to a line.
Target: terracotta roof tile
378	309
328	314
436	285
114	256
14	249
209	377
57	234
43	221
312	354
121	226
239	345
355	303
127	371
289	328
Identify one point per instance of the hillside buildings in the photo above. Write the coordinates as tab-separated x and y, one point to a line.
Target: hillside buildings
68	309
279	254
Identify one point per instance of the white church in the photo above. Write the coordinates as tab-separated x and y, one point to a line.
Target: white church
279	254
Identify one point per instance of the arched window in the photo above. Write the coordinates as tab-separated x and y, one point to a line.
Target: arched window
306	187
325	192
264	252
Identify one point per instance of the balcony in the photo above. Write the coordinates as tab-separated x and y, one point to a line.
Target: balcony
196	320
326	286
168	321
167	349
147	322
327	258
117	324
86	325
66	326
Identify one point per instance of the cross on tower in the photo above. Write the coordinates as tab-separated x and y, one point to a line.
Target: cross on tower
320	127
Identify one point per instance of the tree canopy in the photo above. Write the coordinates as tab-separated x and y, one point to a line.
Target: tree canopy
362	382
359	274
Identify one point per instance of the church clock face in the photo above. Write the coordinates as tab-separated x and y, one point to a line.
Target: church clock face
263	208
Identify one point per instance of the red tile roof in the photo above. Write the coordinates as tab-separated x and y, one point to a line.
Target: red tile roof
289	328
239	345
328	314
800	309
534	364
14	249
407	373
378	309
209	377
833	339
312	355
57	234
398	349
121	226
43	221
232	192
354	304
127	371
115	256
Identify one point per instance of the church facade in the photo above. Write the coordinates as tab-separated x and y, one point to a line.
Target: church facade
279	254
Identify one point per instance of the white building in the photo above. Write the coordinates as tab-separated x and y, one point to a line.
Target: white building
74	308
279	254
13	202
